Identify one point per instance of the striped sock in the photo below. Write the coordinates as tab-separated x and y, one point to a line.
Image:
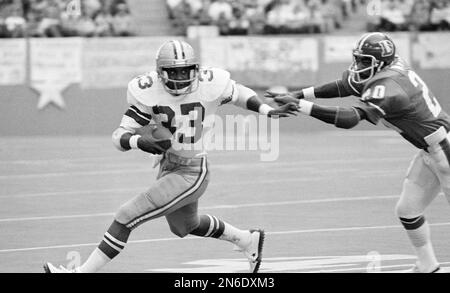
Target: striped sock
418	232
113	243
114	239
209	226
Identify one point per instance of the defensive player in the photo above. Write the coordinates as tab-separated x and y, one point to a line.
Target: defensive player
392	92
180	97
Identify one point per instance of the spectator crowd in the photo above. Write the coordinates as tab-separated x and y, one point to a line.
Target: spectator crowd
64	18
262	16
410	15
104	18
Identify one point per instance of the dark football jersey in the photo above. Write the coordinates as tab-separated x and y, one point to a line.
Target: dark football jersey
402	101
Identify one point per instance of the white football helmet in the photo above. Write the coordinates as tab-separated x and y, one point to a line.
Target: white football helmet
177	54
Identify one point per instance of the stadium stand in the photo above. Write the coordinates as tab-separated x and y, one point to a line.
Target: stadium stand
307	16
64	18
263	16
104	18
411	15
150	18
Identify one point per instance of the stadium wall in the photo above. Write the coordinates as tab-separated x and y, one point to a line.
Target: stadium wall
77	86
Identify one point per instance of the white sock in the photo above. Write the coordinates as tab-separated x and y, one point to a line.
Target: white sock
241	238
421	240
95	262
426	257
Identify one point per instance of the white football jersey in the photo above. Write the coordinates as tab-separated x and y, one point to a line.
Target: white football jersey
188	117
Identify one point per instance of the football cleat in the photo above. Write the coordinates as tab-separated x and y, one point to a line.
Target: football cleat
51	269
253	251
416	269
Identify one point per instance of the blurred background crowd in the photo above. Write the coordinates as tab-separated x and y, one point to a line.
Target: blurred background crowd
404	15
263	16
309	16
64	18
105	18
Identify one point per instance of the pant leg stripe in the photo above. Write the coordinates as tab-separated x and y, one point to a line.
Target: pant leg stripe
183	195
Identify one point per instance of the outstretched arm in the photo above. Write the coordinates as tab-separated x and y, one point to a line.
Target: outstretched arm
341	117
246	98
335	89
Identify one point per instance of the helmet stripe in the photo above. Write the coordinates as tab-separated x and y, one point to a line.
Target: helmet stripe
174	49
178	50
183	55
363	39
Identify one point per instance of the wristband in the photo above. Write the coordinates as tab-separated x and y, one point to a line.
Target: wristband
308	93
305	107
134	141
265	109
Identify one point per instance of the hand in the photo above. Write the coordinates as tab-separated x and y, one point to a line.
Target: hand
285	110
149	145
284	98
154	140
295	94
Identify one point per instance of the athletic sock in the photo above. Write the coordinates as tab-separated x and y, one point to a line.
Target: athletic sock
418	232
211	226
114	241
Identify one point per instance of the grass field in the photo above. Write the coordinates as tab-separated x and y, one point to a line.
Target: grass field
327	205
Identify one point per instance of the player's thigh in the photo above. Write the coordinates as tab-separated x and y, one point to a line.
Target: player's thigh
183	220
441	166
420	187
166	195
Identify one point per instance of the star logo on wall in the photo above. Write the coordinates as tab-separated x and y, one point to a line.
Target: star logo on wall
50	93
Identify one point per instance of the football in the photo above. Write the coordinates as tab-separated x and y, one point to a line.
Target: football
156	132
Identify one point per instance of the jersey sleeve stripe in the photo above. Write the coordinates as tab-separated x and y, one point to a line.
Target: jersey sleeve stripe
148	116
136	117
377	107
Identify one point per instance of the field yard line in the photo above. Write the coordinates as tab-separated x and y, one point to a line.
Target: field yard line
192	238
365	269
142	188
235	206
253	165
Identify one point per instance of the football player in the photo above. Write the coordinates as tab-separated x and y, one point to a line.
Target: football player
180	97
391	92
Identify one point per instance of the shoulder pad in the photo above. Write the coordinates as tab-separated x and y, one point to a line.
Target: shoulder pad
213	82
382	77
144	88
396	69
386	89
